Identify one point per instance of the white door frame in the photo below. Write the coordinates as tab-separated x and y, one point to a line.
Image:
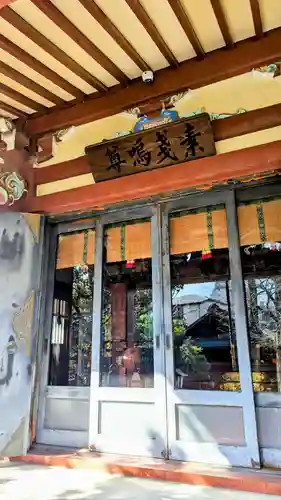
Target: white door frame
210	451
154	442
53	399
163	396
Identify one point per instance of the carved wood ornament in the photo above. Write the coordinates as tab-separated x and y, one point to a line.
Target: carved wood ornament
12	188
13	154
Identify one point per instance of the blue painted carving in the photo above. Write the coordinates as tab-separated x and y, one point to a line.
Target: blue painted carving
145	123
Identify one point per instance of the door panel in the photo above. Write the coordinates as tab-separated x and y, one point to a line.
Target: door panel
166	332
260	239
209	399
128	384
65	392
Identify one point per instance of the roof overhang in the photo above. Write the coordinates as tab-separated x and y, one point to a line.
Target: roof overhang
67	63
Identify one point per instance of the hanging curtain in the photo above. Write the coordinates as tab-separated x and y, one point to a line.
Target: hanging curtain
259	222
128	242
76	249
195	232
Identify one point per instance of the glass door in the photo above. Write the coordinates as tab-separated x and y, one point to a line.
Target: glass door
63	418
260	239
211	416
127	383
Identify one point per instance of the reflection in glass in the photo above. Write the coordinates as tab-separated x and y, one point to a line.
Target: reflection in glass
203	328
71	337
126	358
263	297
260	236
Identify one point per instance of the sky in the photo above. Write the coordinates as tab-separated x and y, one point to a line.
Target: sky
202	289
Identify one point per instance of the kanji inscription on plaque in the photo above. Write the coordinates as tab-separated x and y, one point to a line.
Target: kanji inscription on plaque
177	142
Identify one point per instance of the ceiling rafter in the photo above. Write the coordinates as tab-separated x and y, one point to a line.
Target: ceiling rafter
13	111
22	99
57	17
29	84
187	27
153	32
36	37
15	51
4	3
222	22
97	13
217	66
256	14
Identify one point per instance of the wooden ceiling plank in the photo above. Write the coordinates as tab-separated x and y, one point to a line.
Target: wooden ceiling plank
192	74
153	32
36	37
29	84
10	109
20	98
187	27
222	22
37	66
117	36
256	14
56	16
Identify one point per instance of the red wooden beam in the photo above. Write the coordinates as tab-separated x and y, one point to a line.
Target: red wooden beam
205	172
234	126
217	65
4	3
247	123
64	170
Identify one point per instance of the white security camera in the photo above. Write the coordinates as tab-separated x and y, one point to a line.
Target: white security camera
147	76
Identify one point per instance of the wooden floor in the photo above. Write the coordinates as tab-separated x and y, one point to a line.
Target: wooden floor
256	481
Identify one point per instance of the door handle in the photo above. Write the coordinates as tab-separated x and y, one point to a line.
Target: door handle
157	341
168	341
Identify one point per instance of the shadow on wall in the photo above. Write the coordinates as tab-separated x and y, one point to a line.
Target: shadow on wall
17	252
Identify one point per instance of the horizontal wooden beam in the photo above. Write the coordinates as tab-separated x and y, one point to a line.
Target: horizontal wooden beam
217	65
208	172
247	123
64	170
234	126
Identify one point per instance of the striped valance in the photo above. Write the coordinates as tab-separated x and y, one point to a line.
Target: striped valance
260	222
76	249
195	232
128	242
123	243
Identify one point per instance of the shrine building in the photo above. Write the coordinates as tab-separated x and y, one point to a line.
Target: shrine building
140	228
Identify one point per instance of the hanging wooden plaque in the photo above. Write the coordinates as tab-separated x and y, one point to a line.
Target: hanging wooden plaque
177	142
